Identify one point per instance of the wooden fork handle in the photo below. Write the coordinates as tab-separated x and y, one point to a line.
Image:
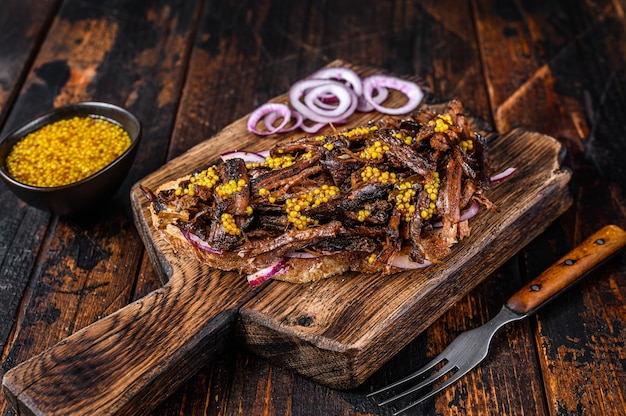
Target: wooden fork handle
586	256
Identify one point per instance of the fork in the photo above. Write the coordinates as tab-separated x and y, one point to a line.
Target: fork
472	346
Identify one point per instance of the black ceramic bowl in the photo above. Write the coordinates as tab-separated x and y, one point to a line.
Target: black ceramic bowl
75	197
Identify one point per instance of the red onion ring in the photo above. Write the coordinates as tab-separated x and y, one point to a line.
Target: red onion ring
332	95
248	157
303	94
410	89
281	109
342	74
402	261
266	273
465	215
470	212
381	95
344	97
313	128
199	243
502	175
270	118
300	255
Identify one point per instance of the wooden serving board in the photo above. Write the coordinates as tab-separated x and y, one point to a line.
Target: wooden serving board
338	331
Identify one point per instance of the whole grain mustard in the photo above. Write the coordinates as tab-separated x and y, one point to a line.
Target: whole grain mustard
66	151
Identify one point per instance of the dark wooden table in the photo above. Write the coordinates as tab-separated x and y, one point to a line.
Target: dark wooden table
187	69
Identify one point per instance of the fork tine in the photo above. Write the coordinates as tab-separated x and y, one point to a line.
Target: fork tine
433	377
432	363
430	394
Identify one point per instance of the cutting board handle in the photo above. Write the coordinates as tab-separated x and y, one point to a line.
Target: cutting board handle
127	362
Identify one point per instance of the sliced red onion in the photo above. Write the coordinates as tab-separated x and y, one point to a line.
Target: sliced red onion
326	102
379	95
502	175
263	153
332	95
410	89
304	95
248	157
281	109
402	261
300	255
270	118
342	74
199	243
328	99
470	212
266	273
465	215
344	97
312	128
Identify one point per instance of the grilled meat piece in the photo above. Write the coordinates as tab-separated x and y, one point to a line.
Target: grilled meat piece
393	187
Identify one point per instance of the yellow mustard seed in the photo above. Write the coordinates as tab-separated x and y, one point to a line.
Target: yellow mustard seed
467	145
370	173
305	200
363	214
279	162
358	131
432	187
440	126
446	117
375	151
403	200
230	187
207	178
66	151
228	222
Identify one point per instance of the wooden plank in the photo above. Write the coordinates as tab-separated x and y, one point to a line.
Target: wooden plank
334	356
573	76
273	47
87	265
20	238
18	46
373	317
129	361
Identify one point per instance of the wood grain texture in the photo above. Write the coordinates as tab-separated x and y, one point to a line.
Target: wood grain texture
567	66
310	332
21	234
340	331
339	346
556	67
127	362
18	47
63	274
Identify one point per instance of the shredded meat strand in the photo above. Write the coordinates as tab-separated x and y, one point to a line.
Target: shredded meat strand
393	187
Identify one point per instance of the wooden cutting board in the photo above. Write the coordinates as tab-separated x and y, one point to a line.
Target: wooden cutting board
338	331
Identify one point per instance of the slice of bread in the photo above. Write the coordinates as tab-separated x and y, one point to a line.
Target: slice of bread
377	198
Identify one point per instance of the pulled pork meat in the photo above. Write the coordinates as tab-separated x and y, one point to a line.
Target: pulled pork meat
397	186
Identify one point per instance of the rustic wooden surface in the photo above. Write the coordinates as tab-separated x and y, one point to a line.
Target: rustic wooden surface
188	69
129	360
